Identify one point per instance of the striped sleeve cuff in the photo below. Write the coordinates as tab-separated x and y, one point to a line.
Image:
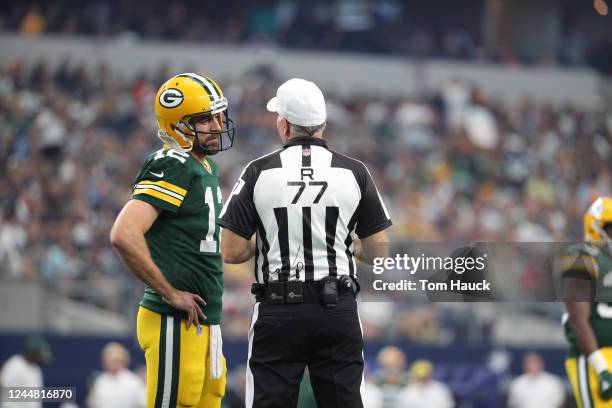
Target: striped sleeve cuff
582	263
162	190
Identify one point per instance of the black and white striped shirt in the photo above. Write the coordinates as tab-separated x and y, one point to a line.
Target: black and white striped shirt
304	201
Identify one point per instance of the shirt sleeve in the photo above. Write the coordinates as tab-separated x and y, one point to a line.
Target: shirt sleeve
372	216
163	184
239	214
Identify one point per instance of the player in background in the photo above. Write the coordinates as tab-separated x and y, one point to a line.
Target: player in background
587	273
167	236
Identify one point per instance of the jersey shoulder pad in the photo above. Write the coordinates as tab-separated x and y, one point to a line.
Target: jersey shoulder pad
580	258
164	179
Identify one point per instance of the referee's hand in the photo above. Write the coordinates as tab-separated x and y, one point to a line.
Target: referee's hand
190	303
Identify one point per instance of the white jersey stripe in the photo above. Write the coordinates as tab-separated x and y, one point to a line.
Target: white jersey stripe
582	382
144	186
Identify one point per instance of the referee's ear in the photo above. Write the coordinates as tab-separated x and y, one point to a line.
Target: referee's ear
283	128
287	131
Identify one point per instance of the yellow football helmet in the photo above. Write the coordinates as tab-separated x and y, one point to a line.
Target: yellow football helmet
597	216
184	98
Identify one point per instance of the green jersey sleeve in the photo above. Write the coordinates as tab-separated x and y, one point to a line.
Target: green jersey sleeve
163	180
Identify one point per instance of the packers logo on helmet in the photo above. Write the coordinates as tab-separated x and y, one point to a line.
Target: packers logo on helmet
597	216
171	98
184	99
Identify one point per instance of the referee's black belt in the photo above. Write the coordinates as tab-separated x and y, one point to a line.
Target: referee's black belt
325	291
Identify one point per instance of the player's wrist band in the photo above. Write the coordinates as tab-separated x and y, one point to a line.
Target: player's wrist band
598	361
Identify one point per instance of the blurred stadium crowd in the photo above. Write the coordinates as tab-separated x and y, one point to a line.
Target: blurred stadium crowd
417	28
392	379
454	164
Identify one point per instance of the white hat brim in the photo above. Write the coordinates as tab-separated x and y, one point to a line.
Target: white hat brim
272	105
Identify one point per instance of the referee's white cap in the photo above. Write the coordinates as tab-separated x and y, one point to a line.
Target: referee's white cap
299	101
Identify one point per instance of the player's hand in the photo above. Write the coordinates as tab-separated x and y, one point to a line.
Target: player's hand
605	384
190	303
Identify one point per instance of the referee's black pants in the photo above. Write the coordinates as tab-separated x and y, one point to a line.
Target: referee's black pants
284	339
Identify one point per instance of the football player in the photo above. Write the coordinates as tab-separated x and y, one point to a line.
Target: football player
168	237
587	272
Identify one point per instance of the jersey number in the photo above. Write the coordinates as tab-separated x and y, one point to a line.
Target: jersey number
302	186
180	156
209	243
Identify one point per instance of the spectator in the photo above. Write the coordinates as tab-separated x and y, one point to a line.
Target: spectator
423	390
391	376
117	386
33	22
23	370
536	388
372	394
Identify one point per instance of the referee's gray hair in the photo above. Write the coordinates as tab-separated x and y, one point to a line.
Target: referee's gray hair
299	131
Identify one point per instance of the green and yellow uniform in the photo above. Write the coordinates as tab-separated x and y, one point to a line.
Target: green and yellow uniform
184	240
596	262
184	244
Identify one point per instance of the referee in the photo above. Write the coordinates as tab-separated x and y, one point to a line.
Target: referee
304	202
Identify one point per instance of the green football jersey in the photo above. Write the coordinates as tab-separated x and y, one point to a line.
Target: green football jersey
184	239
597	262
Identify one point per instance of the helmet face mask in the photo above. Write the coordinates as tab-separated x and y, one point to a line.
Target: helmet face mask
225	135
184	99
